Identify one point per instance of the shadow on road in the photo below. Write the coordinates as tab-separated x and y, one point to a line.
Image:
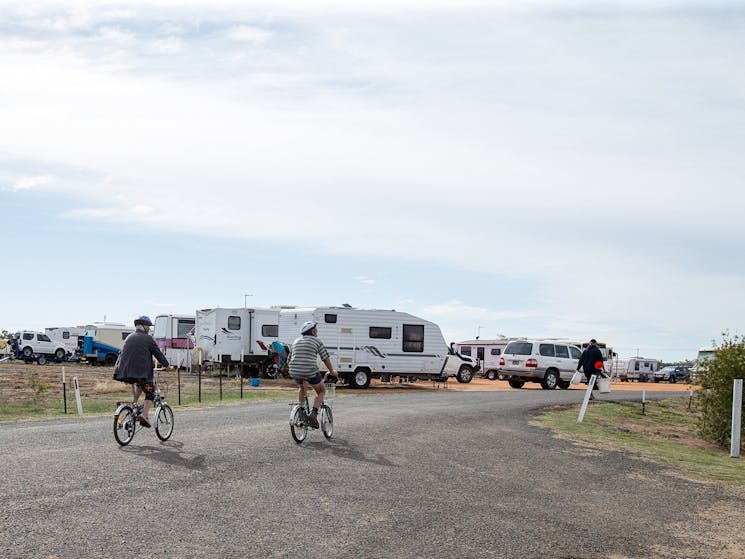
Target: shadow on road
342	449
170	453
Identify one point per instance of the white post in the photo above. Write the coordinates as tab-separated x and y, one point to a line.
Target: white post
77	396
736	418
644	396
586	399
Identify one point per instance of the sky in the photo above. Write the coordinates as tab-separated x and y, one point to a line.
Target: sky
540	169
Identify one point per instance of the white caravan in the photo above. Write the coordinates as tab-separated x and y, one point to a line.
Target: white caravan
110	333
641	369
486	353
366	344
174	334
71	337
231	336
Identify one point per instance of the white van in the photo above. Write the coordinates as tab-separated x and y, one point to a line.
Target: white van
548	362
371	343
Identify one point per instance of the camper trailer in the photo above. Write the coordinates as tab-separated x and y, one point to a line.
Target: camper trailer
71	337
103	342
231	336
174	334
485	353
365	344
641	369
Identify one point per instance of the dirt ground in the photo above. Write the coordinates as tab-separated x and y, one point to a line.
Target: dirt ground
21	382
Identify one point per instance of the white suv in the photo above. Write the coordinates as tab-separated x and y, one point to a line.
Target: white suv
35	344
548	362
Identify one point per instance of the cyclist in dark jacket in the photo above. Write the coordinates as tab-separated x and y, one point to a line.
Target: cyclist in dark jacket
135	364
591	363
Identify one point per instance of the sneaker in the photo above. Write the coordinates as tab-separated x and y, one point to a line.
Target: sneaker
313	419
143	421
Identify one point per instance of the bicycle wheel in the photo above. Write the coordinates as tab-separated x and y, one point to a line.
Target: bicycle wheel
164	422
124	426
327	421
299	425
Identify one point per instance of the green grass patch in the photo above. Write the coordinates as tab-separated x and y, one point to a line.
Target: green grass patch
667	433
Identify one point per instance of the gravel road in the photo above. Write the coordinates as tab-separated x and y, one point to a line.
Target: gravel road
441	474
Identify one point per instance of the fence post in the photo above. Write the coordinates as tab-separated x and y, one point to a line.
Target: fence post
199	383
736	418
64	390
178	382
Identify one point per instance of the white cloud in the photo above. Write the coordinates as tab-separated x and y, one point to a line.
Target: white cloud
249	34
29	183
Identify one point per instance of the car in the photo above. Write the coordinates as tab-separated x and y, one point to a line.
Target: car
547	362
38	346
673	373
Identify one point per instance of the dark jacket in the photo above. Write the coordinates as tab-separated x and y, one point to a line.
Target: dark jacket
588	359
136	359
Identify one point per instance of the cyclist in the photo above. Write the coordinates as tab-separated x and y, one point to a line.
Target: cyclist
135	364
304	368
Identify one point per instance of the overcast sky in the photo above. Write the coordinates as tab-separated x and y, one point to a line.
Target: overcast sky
517	168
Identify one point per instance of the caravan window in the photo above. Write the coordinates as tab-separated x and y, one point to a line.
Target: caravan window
465	350
65	335
234	323
329	318
413	337
382	332
185	327
270	330
496	351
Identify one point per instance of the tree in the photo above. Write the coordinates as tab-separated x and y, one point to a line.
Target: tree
717	376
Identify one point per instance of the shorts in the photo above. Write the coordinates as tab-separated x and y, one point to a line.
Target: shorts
147	387
315	379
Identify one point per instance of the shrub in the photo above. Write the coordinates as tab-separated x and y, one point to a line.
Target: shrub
716	378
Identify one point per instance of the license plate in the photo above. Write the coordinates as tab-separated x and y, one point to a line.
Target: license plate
516	362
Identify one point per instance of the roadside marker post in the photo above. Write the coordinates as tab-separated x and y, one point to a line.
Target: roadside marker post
77	395
644	402
586	399
736	418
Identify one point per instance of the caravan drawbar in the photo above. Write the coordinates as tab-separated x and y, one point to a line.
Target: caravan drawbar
371	343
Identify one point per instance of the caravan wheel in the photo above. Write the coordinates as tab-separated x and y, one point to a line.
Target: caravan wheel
360	378
491	374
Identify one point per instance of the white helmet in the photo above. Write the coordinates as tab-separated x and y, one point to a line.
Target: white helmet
308	326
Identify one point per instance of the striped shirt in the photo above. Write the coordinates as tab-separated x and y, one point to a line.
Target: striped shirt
303	361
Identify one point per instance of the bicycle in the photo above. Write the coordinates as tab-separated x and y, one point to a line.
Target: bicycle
126	419
299	414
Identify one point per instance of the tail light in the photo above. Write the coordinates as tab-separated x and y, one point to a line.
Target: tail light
118	404
501	361
531	363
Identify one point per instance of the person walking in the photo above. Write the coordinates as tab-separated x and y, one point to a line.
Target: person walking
135	365
304	368
591	363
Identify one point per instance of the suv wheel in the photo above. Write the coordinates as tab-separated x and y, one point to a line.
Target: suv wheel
27	352
516	383
59	354
550	380
465	374
563	384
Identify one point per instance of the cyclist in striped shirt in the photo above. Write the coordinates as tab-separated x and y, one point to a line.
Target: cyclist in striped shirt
304	367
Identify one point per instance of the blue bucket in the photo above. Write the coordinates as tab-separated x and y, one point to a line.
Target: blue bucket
255	381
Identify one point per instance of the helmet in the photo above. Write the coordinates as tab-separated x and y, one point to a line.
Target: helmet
308	326
144	320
